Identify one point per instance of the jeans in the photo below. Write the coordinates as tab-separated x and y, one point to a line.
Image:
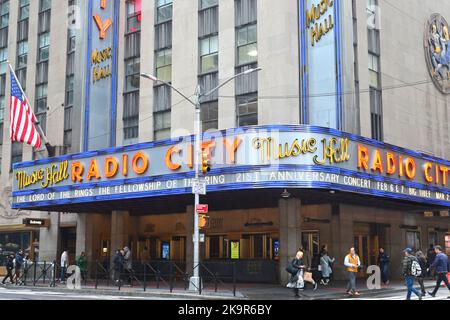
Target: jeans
351	282
441	277
63	274
385	272
409	280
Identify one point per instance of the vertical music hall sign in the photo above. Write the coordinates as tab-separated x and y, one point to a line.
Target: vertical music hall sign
101	75
320	63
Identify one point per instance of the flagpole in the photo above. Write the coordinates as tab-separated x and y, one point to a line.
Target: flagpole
48	146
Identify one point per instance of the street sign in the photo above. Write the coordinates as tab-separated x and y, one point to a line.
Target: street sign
199	187
201	237
202	208
38	223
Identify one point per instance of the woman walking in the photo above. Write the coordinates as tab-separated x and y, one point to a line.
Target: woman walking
297	268
325	265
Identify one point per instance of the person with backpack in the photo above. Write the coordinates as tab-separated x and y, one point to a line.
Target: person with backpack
423	265
441	265
9	269
411	270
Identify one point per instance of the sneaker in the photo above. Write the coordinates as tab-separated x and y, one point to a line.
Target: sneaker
431	294
420	297
323	283
315	286
357	294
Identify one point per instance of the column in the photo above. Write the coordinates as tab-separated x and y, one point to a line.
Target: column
119	230
290	234
189	242
48	238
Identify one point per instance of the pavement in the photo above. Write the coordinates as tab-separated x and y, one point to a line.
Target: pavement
336	291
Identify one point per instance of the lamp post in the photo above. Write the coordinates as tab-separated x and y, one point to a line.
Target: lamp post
194	283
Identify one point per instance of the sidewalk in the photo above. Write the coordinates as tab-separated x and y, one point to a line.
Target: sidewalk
244	291
337	290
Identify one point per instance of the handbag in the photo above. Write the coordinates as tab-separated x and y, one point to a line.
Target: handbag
308	277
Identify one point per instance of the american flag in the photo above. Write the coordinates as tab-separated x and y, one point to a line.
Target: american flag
22	118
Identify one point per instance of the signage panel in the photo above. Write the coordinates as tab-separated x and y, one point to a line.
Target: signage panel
245	158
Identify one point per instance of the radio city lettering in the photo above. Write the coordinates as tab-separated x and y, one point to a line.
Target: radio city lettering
102	59
313	16
238	160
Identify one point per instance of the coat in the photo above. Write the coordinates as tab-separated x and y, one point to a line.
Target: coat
325	264
441	263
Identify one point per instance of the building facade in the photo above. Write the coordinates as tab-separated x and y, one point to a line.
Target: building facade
354	91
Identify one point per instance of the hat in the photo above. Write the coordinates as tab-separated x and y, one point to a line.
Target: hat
408	250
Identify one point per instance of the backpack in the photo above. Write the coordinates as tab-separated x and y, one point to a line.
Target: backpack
290	268
416	270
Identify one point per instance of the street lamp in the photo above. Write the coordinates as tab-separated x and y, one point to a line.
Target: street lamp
194	283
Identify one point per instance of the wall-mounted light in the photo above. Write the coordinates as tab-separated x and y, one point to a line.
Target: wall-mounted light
285	194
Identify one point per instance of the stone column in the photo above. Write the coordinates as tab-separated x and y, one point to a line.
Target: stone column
189	242
290	233
81	233
49	239
119	230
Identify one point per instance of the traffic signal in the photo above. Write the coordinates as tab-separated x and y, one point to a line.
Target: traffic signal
203	221
206	163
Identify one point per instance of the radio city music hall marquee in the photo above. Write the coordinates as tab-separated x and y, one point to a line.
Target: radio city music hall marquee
254	157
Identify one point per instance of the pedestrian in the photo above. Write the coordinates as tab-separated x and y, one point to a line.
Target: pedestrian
64	264
326	263
297	269
352	263
18	265
431	255
9	269
441	266
128	265
423	265
81	262
383	263
118	266
411	270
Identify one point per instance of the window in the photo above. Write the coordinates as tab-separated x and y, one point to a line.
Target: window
22	54
164	65
209	54
44	47
24	9
162	112
247	110
208	3
162	123
131	117
413	240
247	48
210	115
4	14
376	114
41	104
16	153
164	10
374	71
134	15
45	5
132	75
